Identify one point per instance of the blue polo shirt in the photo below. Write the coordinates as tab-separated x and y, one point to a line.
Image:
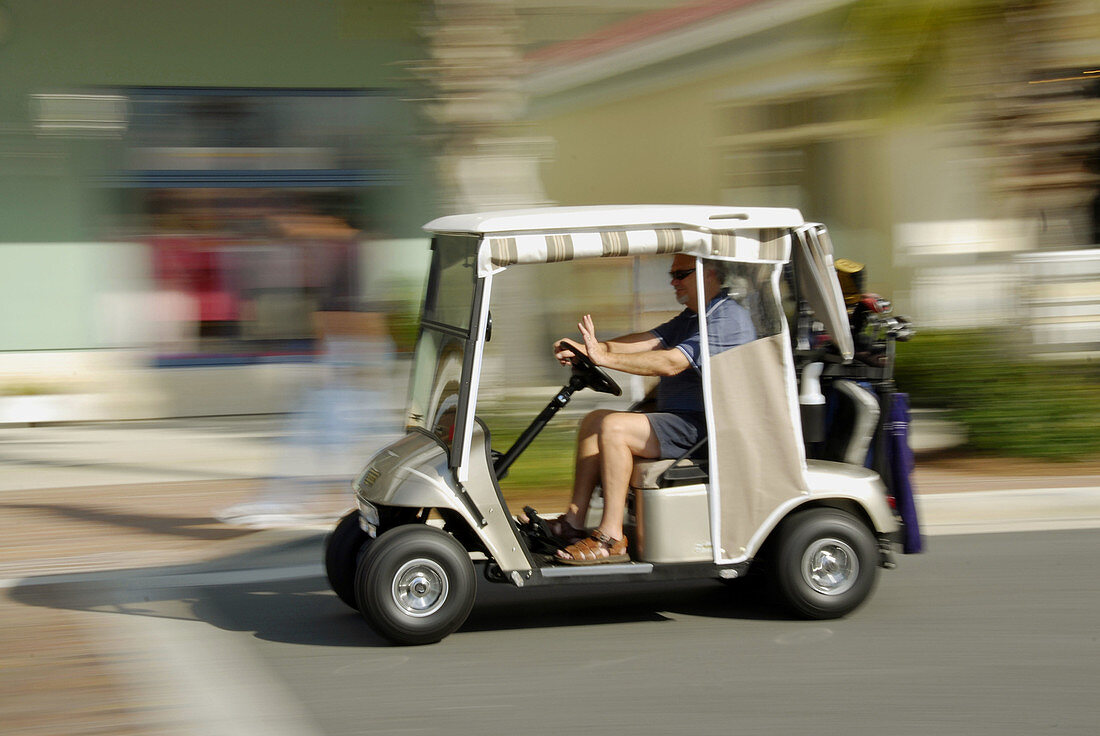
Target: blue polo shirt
728	325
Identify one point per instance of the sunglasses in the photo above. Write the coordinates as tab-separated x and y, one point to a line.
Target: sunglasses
681	274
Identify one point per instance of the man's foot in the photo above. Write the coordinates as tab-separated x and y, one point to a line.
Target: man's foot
558	531
597	549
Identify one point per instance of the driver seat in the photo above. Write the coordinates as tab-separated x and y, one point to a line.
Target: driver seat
668	472
669	504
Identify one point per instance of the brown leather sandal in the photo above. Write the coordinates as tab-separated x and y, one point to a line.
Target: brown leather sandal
590	551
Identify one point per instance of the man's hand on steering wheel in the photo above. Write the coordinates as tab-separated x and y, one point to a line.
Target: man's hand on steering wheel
565	349
580	357
592	347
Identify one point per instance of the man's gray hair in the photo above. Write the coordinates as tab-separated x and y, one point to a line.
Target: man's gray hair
721	269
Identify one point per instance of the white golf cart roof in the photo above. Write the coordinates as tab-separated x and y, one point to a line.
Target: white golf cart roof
551	234
618	217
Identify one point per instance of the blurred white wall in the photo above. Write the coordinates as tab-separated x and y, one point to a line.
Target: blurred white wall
1062	301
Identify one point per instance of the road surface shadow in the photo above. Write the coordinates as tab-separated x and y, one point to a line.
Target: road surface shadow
243	592
500	607
303	611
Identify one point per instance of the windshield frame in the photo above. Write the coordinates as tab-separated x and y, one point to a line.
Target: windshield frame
439	334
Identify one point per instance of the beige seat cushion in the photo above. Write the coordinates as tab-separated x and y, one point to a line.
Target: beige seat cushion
646	472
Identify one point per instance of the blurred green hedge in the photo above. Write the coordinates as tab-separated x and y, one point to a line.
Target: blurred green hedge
1009	404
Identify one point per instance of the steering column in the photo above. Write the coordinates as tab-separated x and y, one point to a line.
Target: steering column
586	374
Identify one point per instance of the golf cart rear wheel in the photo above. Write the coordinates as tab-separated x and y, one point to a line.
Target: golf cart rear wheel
825	563
415	584
343	548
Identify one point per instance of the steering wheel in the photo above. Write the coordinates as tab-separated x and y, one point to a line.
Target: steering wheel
590	374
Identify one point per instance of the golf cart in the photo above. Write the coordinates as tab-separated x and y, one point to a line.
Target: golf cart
747	500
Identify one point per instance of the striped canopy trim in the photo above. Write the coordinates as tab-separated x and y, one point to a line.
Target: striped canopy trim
771	245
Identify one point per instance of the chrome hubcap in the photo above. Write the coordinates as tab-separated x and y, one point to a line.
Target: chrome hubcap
830	566
420	587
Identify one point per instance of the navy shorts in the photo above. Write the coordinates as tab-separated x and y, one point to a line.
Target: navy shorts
678	432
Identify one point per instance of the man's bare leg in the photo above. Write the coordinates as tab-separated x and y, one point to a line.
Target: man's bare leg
587	473
620	437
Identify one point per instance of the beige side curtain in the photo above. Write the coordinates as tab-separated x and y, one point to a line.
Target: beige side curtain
759	458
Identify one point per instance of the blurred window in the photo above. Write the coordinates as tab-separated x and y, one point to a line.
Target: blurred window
254	203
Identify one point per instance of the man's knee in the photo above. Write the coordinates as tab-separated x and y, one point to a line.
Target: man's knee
626	428
593	420
615	423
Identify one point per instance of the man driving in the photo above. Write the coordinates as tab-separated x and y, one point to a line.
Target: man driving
608	441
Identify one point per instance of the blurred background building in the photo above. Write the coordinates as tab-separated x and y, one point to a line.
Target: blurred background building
936	140
183	185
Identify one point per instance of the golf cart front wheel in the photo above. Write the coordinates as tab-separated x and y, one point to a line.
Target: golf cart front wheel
343	548
825	563
415	584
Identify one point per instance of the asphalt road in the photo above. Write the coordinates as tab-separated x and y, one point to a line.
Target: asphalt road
984	634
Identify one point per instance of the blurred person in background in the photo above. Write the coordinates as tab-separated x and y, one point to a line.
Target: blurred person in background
343	418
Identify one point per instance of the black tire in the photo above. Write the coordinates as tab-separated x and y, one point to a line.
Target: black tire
825	563
343	548
415	585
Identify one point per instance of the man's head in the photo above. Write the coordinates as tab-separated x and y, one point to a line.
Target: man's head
685	279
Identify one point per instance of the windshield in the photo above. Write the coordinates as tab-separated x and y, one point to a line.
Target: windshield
450	296
444	343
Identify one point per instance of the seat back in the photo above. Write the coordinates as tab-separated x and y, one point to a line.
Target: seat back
853	425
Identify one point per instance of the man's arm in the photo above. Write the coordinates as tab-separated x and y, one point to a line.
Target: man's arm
647	361
650	363
637	342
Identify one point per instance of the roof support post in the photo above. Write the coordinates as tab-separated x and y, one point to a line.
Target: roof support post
713	486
